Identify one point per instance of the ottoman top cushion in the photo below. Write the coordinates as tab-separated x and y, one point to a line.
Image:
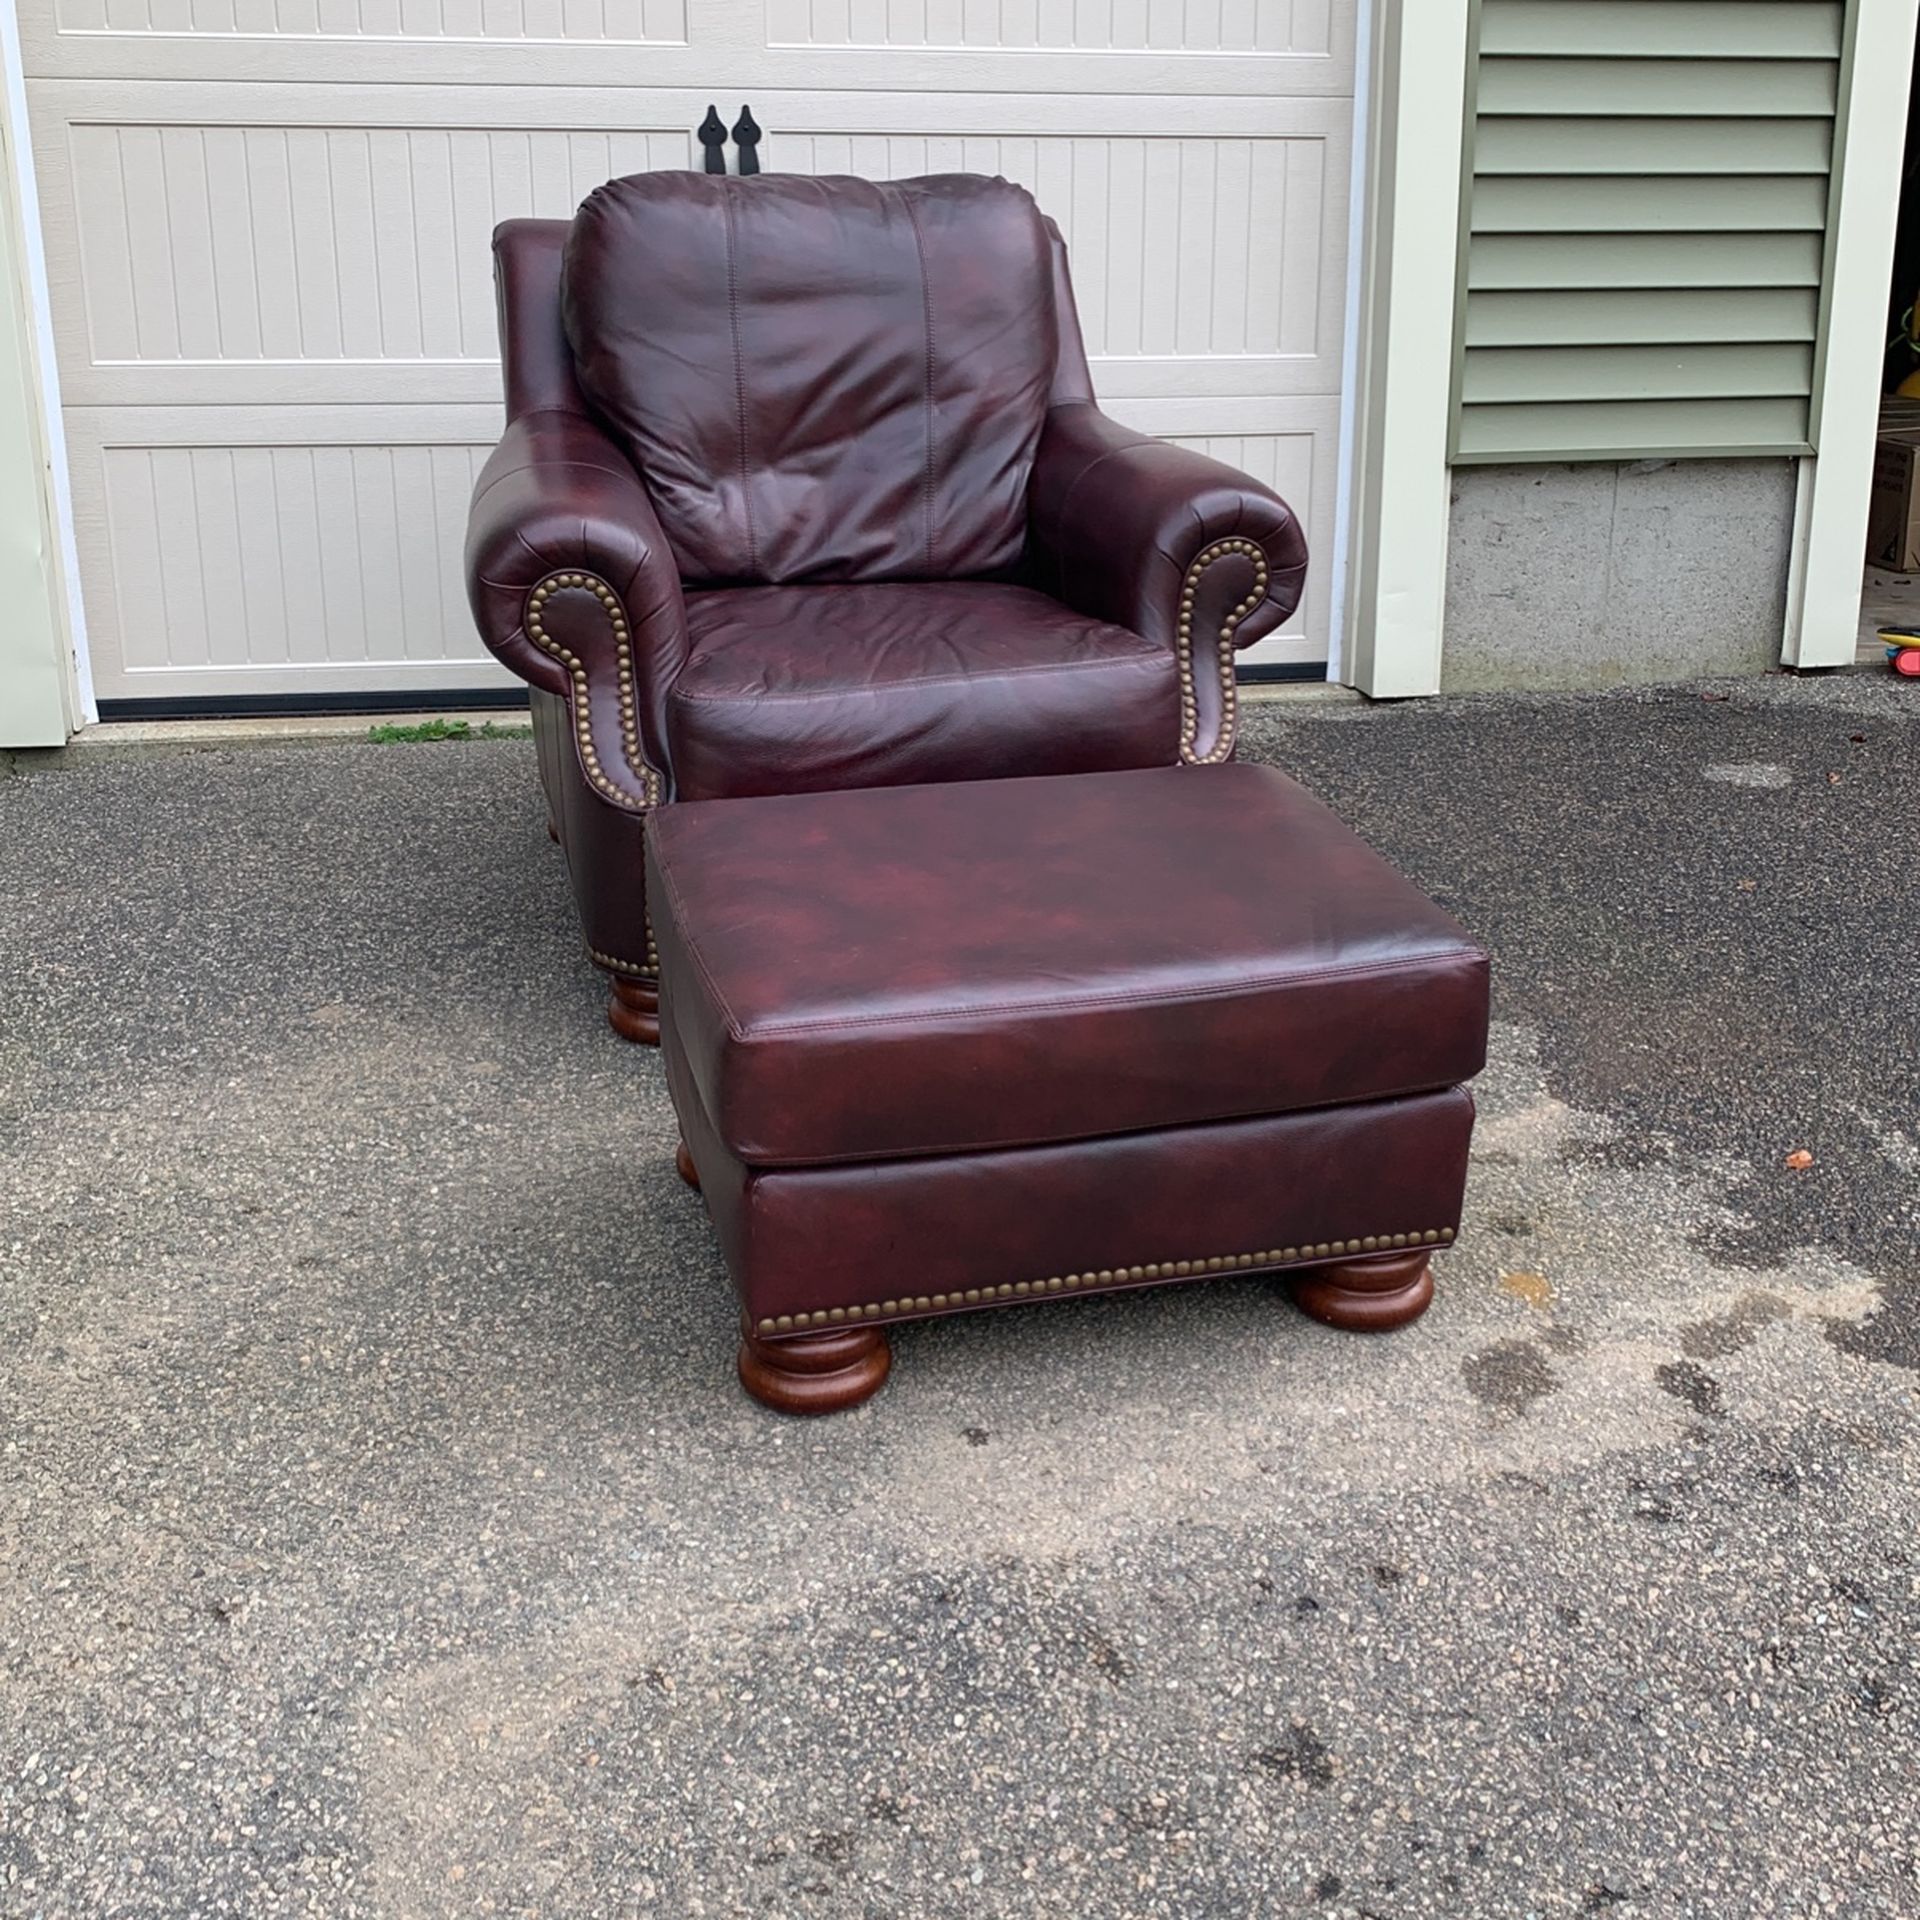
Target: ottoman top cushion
998	963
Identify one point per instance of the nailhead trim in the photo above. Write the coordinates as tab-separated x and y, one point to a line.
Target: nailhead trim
582	702
1183	649
614	964
1105	1277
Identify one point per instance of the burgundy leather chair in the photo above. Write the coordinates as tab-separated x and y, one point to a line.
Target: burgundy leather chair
803	486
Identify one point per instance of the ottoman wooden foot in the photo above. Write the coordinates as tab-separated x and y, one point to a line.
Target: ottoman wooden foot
1369	1295
634	1011
684	1167
816	1372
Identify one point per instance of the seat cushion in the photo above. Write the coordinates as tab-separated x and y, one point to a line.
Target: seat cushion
871	975
803	689
819	378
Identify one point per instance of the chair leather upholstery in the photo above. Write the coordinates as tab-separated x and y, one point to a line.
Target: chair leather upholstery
800	689
864	402
767	386
1020	962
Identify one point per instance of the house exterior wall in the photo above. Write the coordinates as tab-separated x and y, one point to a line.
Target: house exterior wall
1611	574
1645	209
1675	224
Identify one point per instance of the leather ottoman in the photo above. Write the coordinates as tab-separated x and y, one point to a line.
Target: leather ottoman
943	1048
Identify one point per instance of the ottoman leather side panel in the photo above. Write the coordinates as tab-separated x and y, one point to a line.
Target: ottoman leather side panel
887	1240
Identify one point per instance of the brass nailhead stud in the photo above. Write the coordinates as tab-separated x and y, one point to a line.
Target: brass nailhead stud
1109	1276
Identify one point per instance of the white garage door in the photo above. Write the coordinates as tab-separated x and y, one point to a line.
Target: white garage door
267	228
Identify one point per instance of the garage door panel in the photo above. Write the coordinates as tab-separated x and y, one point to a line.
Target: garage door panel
727	66
272	289
383	385
311	554
1158	227
630	22
253	568
1088	26
302	244
217	245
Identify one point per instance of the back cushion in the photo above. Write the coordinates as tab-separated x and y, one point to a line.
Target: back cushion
819	379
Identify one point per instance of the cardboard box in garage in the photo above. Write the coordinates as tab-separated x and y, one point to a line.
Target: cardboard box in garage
1893	519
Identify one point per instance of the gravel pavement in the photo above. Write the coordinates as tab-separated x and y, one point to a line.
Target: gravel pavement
382	1532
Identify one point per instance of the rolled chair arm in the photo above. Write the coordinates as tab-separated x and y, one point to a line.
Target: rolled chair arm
574	587
1177	547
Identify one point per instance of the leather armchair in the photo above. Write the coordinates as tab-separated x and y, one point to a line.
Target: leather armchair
803	486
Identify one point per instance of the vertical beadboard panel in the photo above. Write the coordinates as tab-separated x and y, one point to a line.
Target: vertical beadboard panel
317	243
289	555
1058	26
1166	261
623	22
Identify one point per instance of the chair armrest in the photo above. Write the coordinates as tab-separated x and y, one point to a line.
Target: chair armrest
574	587
1178	547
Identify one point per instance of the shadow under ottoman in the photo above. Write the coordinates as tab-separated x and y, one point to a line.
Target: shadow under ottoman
947	1047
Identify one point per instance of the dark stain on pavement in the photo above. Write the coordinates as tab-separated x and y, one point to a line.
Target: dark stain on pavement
1509	1376
1687	1381
1299	1754
1734	1331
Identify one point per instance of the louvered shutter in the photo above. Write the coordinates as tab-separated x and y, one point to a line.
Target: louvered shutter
1647	198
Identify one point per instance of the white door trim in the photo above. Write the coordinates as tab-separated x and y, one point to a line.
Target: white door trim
1397	590
1827	564
46	678
1345	488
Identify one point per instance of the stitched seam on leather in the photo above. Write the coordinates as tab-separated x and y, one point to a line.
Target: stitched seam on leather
1098	460
1225	1117
537	463
739	386
678	920
1154	657
1144	997
926	307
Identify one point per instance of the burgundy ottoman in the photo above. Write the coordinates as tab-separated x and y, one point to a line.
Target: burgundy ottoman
951	1047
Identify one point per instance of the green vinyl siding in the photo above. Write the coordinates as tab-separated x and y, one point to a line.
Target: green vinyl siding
1645	227
1692	29
1639	316
1539	260
1547	374
1583	146
1529	204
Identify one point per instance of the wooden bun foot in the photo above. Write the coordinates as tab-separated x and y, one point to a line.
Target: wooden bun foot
1374	1294
816	1372
634	1011
684	1167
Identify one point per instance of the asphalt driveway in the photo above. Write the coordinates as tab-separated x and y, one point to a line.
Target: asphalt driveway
382	1532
